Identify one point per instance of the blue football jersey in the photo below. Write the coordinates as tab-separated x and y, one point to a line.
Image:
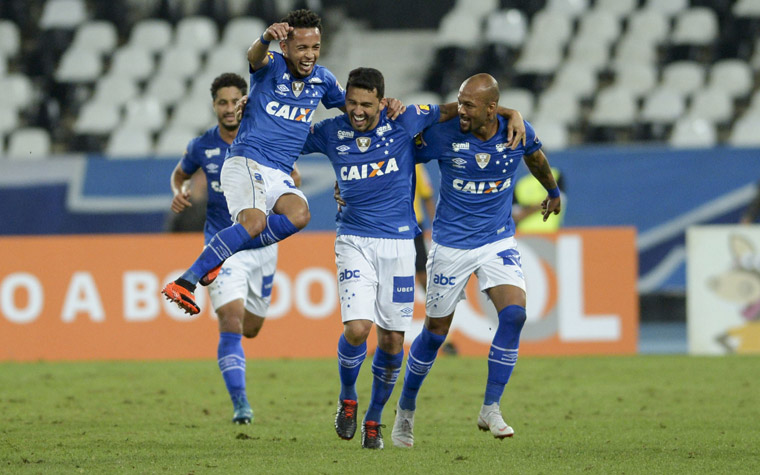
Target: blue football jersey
207	152
475	200
279	112
375	171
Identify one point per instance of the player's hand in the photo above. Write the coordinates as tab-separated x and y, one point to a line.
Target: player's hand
240	107
551	206
515	130
338	198
395	107
277	32
181	200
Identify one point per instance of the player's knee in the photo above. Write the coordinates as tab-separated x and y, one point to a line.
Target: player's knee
230	323
513	315
251	332
357	331
300	217
438	326
254	221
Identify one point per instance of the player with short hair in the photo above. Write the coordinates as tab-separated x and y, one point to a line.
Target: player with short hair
373	160
473	232
264	203
242	292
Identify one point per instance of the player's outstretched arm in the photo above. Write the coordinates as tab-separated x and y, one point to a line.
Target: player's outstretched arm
257	53
538	165
180	183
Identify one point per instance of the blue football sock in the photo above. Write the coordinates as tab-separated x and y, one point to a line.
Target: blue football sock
421	358
224	244
231	361
350	359
278	228
385	370
503	355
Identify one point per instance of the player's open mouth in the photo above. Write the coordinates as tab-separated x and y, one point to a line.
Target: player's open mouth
306	65
359	120
464	121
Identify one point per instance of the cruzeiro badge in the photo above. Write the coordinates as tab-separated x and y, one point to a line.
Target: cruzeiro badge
297	88
482	159
363	143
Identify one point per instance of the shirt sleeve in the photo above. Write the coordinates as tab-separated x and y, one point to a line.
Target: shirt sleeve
418	117
274	62
424	147
316	141
532	142
189	162
335	95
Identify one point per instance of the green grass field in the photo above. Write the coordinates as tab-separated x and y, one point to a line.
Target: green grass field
642	414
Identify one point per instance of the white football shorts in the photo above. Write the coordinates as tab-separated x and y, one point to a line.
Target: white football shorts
376	280
449	269
247	275
247	184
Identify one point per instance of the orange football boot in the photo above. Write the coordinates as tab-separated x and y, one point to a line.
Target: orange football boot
211	276
183	297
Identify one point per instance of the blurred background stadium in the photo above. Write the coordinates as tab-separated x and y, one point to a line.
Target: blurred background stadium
651	108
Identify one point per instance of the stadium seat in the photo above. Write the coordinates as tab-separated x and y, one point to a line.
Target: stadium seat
31	143
10	38
662	106
99	35
638	78
200	89
552	133
746	8
459	28
520	99
132	62
714	105
478	8
167	90
422	97
685	77
539	58
3	65
197	33
79	66
632	50
570	8
557	105
506	27
691	132
240	33
593	54
145	113
666	7
619	8
173	141
651	26
732	75
151	34
97	118
8	120
598	25
548	26
129	143
576	78
195	114
18	91
695	26
179	62
63	14
116	89
614	106
222	59
744	132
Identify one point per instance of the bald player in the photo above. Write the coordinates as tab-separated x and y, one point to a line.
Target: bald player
473	232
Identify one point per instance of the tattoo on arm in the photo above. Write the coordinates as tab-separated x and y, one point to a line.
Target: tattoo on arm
539	167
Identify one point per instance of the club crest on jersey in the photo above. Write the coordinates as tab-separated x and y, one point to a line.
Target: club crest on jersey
482	159
297	87
363	143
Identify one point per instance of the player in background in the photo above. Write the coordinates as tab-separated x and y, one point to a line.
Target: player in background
424	209
262	198
473	232
373	160
241	293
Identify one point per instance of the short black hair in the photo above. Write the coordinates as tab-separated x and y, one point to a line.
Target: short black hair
228	80
303	19
367	78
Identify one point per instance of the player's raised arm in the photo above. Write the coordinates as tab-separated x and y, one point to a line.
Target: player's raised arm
538	165
257	53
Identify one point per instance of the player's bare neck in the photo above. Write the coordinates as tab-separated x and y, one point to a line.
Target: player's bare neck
486	131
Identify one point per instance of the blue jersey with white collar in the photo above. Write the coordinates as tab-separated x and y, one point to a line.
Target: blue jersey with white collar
475	202
207	152
279	112
375	171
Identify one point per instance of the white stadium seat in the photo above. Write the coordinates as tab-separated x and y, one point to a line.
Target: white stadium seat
64	14
30	143
613	107
506	27
520	99
558	105
99	35
197	33
132	62
167	90
17	91
683	76
145	113
639	78
552	134
180	62
79	66
690	132
732	75
744	132
241	32
666	7
129	143
194	114
115	89
714	105
173	141
662	106
695	26
97	118
151	34
10	38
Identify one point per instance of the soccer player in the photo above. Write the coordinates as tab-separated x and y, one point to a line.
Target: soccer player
242	292
473	233
373	160
263	201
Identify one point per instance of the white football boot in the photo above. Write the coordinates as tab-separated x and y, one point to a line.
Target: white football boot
402	428
490	419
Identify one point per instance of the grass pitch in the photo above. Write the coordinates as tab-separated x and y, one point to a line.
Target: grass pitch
642	414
